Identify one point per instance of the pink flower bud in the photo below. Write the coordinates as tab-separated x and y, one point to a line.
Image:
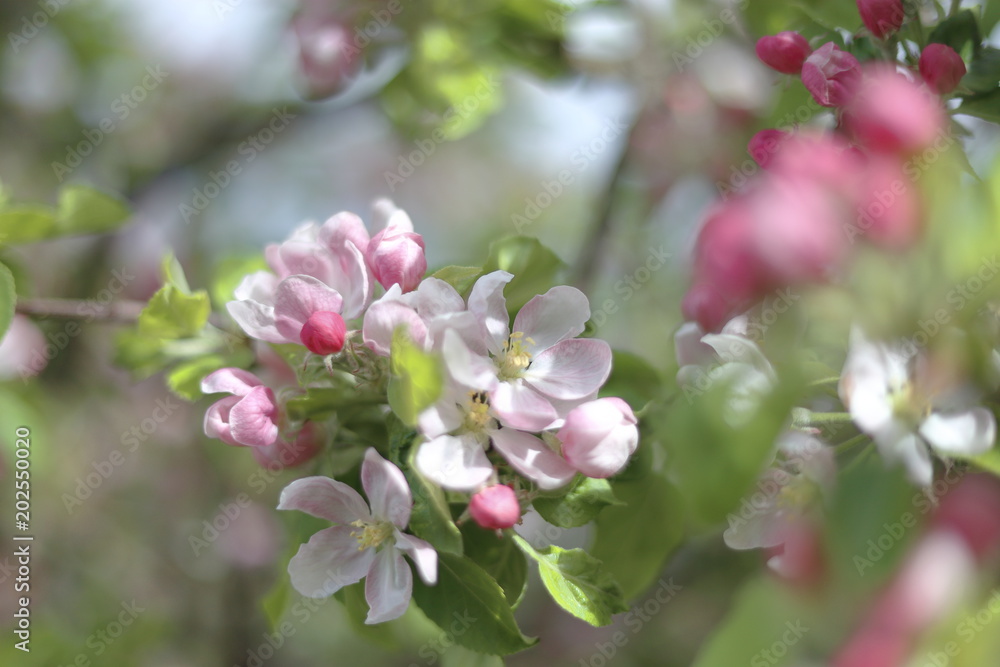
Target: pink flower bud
599	436
282	454
324	333
495	507
831	75
888	208
891	114
941	68
327	57
881	17
396	254
765	144
784	52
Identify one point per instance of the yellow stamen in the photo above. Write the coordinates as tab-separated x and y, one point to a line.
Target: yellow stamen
371	534
515	357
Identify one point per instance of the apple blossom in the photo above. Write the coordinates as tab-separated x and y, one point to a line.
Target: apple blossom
282	454
904	414
248	417
325	54
365	543
324	332
831	75
22	349
598	437
941	68
395	255
892	114
784	52
881	17
495	507
763	145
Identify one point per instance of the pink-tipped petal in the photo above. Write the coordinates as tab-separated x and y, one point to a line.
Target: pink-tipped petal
256	319
457	463
231	381
329	561
532	458
325	498
388	586
297	298
547	319
571	369
254	418
387	490
487	303
422	554
217	420
521	407
383	318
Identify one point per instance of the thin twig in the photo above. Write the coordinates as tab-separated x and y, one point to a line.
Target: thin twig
119	312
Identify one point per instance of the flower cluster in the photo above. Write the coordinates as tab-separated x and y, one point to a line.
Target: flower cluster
517	411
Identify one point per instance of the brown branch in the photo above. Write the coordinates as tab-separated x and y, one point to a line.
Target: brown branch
119	312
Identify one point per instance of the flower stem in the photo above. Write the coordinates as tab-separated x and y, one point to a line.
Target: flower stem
824	418
850	443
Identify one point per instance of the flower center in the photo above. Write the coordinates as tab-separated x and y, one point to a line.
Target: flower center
515	357
371	534
908	406
799	493
477	414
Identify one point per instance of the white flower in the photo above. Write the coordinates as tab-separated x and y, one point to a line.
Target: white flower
363	543
905	414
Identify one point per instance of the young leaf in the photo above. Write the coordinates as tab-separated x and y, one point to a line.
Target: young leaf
8	299
173	314
499	557
26	223
634	539
83	210
534	266
580	505
416	379
578	582
462	278
957	31
471	606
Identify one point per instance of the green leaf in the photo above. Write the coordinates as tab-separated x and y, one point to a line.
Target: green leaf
764	614
185	378
581	504
83	210
356	606
416	381
984	71
462	278
634	539
275	603
632	379
988	462
229	273
578	582
499	557
457	656
470	605
26	223
173	314
534	266
959	32
8	299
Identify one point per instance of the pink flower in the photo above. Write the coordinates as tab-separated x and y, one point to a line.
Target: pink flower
248	417
396	254
599	437
881	17
941	68
327	57
765	144
831	75
784	52
22	349
282	454
280	315
495	507
888	205
363	543
891	114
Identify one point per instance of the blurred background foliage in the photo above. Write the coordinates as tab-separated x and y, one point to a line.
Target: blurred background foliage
603	128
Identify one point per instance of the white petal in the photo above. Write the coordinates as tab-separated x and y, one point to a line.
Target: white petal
471	370
916	459
257	320
423	554
688	348
258	286
435	298
388	587
731	348
519	406
457	463
324	498
387	490
969	433
549	318
487	303
532	458
571	369
384	317
329	561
